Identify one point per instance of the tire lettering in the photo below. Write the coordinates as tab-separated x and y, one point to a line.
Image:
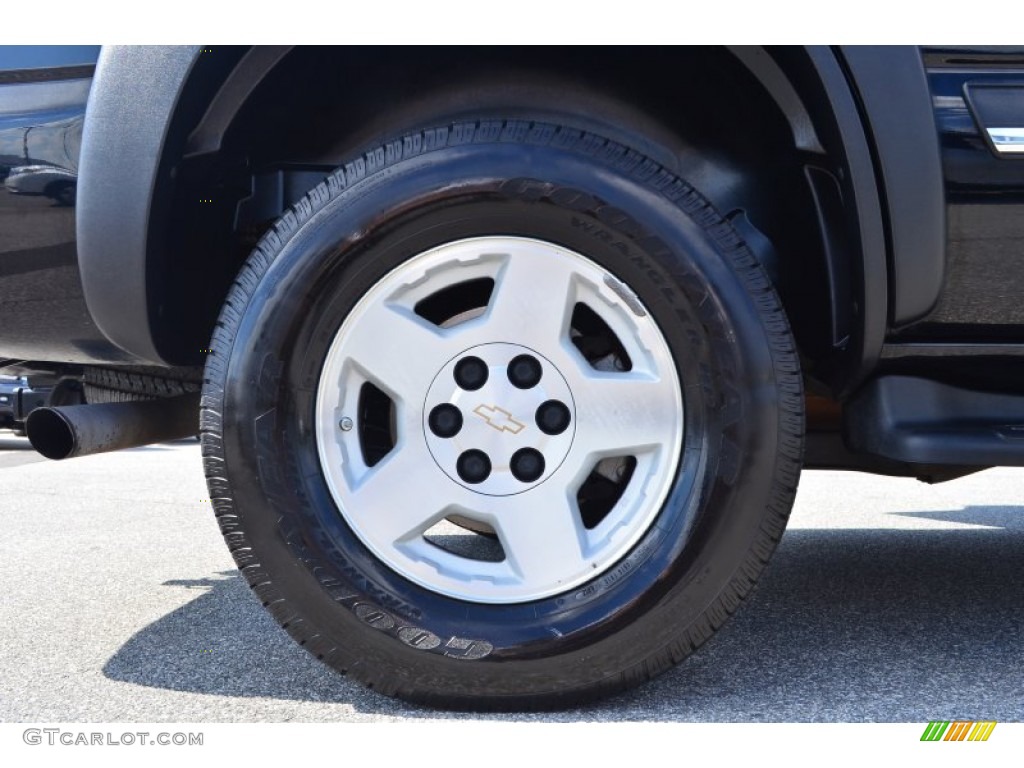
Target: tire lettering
461	648
611	578
376	618
415	637
603	235
618	220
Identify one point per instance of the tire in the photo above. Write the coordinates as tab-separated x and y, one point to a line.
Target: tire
351	323
129	384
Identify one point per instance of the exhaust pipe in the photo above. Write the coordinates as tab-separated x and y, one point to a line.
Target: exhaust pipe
81	430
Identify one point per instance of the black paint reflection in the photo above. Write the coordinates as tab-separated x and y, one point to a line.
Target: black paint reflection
43	315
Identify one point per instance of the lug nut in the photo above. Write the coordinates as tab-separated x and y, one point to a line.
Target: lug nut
553	417
473	466
524	371
527	465
471	373
445	420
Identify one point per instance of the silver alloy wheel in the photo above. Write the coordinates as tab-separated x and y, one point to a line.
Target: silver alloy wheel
465	388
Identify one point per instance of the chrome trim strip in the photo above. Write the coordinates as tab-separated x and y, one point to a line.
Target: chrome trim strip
1007	140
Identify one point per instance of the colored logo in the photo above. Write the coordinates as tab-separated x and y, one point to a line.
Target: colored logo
958	730
499	419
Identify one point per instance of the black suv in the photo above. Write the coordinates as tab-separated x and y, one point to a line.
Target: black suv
506	362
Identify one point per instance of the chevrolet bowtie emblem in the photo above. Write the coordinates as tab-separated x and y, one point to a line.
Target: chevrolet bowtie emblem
499	419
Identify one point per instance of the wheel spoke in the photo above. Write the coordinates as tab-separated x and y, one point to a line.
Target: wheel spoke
397	498
532	300
402	352
623	413
543	536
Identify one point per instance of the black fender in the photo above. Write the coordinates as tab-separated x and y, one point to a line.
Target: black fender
134	94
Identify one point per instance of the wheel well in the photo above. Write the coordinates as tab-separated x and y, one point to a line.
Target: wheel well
700	111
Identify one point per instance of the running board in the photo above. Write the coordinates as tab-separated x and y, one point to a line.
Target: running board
921	421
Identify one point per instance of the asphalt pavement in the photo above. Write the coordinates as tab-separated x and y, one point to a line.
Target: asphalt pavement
888	600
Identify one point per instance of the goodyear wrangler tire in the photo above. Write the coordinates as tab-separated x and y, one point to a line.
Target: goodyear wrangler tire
502	414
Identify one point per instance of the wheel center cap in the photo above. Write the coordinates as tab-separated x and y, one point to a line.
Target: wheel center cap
499	419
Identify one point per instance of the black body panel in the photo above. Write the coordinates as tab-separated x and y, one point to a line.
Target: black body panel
43	315
983	295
